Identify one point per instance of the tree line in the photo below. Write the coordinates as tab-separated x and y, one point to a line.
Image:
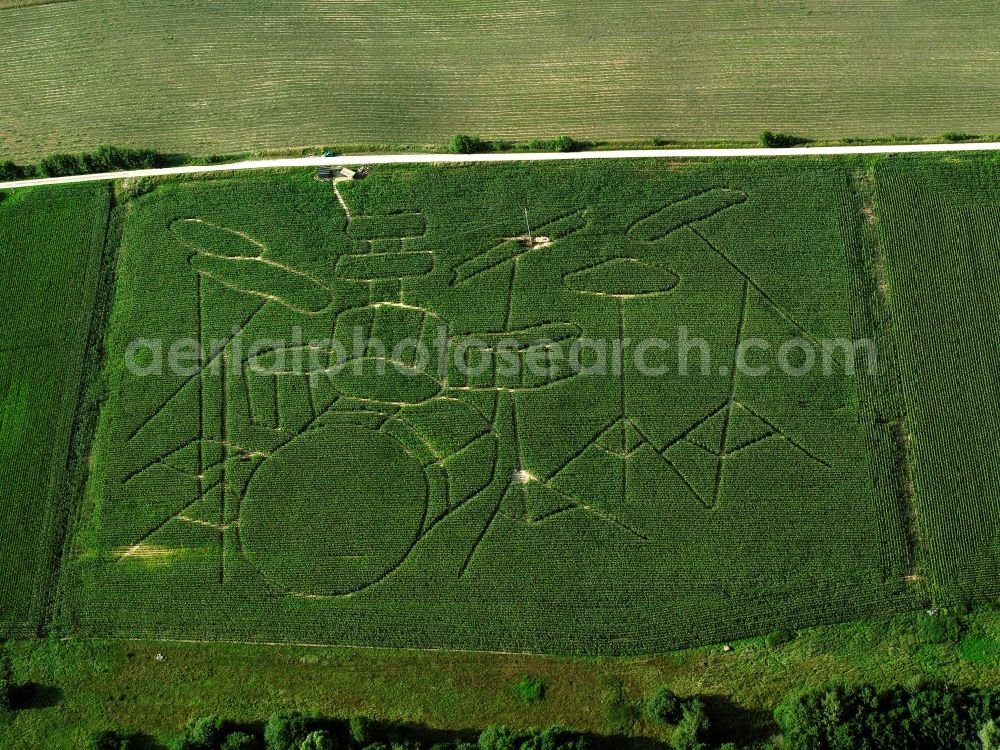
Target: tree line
103	159
832	717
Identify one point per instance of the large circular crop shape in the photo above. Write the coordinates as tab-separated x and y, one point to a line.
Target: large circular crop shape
334	511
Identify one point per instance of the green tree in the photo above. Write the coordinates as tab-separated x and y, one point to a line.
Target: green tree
204	732
6	688
858	716
111	158
692	730
942	627
953	137
6	683
107	739
664	707
771	139
362	730
819	718
319	739
989	735
239	741
465	144
777	638
563	143
10	171
60	165
530	689
560	738
284	730
500	738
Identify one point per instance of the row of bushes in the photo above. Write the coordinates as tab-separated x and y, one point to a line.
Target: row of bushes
770	139
104	159
292	730
473	144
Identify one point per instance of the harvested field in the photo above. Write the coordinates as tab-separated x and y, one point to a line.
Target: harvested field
222	76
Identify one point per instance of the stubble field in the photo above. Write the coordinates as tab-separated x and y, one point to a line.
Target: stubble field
222	76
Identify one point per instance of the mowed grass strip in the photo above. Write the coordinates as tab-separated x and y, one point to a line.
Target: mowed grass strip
50	250
122	684
225	76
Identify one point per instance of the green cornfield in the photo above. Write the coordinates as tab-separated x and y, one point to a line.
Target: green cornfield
51	246
940	238
385	412
222	76
264	492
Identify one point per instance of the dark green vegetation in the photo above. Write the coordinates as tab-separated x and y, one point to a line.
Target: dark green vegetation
924	717
940	229
311	72
665	707
856	716
50	259
102	159
771	139
472	144
7	688
293	730
545	510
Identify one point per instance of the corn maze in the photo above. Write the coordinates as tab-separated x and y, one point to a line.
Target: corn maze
380	412
380	434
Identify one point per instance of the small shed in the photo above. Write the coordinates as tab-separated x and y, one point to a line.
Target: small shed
348	173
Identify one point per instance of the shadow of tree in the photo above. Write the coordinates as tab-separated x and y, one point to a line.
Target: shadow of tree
731	722
32	695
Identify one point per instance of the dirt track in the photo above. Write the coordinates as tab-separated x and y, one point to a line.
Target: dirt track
663	153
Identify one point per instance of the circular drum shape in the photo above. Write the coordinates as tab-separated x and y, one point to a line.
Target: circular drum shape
334	511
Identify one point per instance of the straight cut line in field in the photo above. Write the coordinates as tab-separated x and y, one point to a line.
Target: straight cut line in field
363	159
